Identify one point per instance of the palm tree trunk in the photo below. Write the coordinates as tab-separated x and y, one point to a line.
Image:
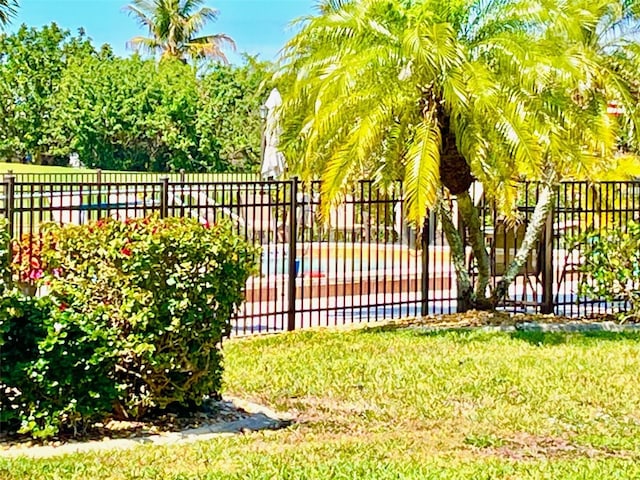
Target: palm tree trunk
531	236
471	219
465	295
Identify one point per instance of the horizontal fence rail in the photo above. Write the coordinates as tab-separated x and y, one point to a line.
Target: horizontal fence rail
357	261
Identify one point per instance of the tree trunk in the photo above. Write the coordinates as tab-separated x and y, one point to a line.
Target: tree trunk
476	239
465	297
531	236
455	173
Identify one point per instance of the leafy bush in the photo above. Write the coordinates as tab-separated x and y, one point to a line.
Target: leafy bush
55	366
22	327
165	289
612	267
71	378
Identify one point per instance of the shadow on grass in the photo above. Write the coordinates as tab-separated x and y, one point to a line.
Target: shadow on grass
539	338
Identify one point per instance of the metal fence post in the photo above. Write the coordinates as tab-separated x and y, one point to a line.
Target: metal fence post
99	198
424	287
547	267
9	211
164	197
293	229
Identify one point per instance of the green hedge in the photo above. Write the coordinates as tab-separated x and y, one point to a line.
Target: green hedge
132	322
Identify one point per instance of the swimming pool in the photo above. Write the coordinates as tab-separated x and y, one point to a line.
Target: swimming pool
335	258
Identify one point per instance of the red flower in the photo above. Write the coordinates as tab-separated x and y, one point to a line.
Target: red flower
63	306
126	251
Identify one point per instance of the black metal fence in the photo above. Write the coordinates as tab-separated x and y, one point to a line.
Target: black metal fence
361	262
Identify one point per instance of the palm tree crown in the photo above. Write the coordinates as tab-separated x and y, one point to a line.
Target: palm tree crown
7	10
439	92
173	27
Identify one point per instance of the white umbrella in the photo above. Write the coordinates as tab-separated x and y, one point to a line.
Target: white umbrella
272	159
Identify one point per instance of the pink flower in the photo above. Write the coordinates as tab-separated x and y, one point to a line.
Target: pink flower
35	274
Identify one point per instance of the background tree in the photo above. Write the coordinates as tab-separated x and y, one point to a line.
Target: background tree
440	93
32	62
130	114
229	121
173	27
135	114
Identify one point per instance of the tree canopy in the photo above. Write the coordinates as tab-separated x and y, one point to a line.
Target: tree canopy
59	95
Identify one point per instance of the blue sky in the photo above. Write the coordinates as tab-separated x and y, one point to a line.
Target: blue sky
257	26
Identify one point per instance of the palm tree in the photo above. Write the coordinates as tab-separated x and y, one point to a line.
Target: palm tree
442	93
173	27
7	10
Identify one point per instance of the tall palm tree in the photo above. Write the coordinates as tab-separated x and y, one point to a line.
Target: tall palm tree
445	92
173	27
7	10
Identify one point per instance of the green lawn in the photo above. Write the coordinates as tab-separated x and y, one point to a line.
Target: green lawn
29	168
406	403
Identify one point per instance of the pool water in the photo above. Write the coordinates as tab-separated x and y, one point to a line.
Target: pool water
275	260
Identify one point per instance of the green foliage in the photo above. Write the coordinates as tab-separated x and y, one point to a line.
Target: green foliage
56	366
167	289
58	96
129	114
161	117
440	94
612	267
32	62
22	327
407	88
228	122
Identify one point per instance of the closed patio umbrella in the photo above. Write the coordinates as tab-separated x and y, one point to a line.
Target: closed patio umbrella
273	162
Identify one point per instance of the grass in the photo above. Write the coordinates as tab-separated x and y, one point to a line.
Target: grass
408	403
30	168
62	174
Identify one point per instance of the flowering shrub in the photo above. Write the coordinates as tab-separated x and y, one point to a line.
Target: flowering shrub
27	264
612	267
165	289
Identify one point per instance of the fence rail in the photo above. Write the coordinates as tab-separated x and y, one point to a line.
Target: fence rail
361	263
